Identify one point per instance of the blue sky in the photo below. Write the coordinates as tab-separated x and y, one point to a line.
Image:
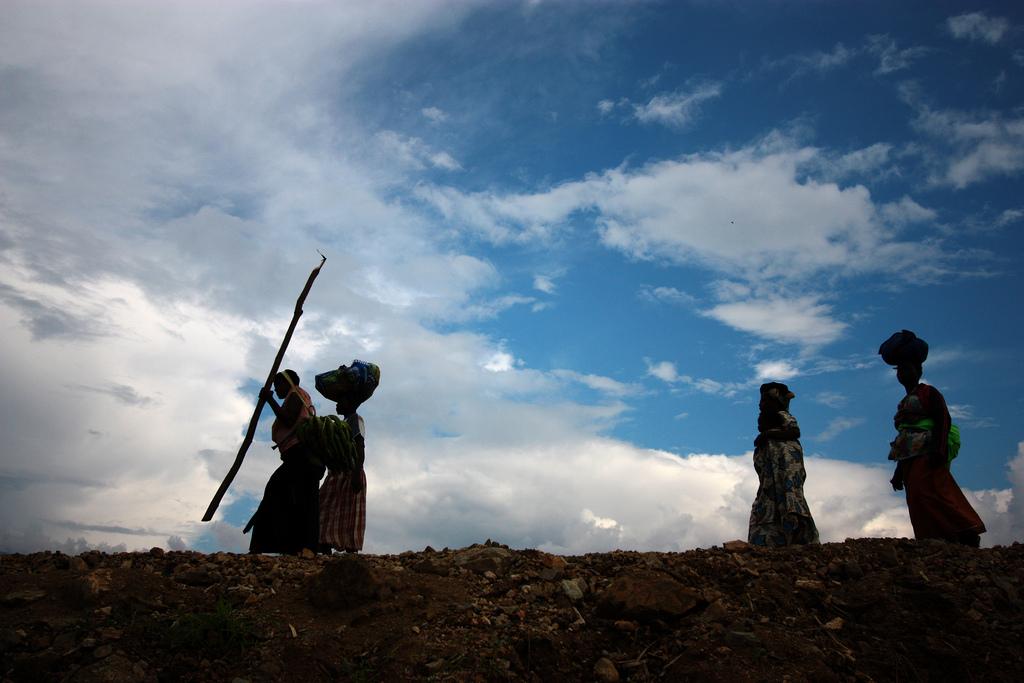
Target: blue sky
575	236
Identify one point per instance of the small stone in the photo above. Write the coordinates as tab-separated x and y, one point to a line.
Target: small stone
572	589
736	546
431	565
307	554
19	598
482	559
490	576
103	651
605	671
110	633
626	625
716	612
434	666
974	615
812	585
834	624
77	564
65	642
196	577
416	630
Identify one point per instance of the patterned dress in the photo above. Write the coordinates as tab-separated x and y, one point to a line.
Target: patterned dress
343	500
780	515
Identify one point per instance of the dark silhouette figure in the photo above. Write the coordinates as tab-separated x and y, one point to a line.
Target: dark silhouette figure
937	506
779	515
287	519
343	494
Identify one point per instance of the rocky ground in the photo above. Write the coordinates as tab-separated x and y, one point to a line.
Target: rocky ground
868	609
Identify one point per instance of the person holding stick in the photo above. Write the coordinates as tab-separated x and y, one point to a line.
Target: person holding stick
287	519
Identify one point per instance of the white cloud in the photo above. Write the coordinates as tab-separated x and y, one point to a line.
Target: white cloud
747	212
968	148
801	320
663	370
1009	216
837	426
978	26
600	383
434	114
500	362
605	107
675	109
890	57
964	416
775	370
415	153
869	161
906	211
814	62
544	284
668	295
832	399
666	371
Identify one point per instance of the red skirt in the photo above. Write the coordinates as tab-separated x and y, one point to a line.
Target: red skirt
938	508
343	511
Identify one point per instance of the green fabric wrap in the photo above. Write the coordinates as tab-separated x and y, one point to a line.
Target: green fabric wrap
928	424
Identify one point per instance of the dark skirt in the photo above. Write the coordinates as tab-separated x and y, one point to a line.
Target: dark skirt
937	506
288	518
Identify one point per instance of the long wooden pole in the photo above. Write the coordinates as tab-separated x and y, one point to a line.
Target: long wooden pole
215	503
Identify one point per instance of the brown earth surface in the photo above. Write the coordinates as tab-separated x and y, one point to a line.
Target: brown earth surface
866	609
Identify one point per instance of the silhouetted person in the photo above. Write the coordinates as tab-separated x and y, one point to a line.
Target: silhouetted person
287	519
343	494
779	515
937	506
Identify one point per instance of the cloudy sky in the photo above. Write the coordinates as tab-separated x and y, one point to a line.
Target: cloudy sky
575	236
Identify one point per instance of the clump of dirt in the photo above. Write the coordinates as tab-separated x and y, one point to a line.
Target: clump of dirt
863	610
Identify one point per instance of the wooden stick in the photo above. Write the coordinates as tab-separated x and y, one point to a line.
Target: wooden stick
260	402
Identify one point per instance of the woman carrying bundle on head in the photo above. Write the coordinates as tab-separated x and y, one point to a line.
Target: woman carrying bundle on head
343	493
287	519
779	515
922	450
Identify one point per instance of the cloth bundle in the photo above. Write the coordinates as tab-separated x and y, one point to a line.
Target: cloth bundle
904	347
358	380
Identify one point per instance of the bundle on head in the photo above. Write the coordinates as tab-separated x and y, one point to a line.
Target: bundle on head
904	348
356	382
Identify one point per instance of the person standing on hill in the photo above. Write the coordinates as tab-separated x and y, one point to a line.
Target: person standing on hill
287	519
937	506
343	494
779	515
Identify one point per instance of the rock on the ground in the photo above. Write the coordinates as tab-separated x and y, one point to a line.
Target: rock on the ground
647	597
483	559
345	581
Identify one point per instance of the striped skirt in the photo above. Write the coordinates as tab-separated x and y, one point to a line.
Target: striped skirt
343	511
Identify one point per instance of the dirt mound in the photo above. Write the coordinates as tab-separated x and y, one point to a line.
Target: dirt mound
869	609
